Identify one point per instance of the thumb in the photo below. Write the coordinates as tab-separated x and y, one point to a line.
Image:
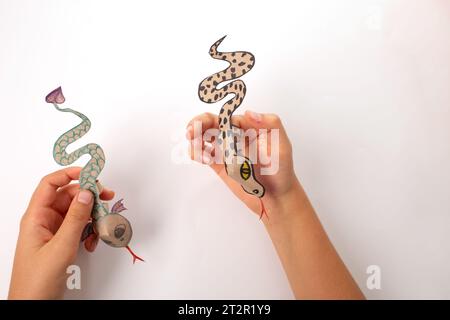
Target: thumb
69	234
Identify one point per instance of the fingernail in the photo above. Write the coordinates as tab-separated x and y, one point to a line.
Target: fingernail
188	132
85	197
255	116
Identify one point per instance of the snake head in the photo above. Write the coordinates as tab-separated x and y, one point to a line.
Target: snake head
115	230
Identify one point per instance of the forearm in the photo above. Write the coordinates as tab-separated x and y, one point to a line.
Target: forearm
312	265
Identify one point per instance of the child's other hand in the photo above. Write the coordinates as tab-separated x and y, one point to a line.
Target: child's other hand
49	237
277	185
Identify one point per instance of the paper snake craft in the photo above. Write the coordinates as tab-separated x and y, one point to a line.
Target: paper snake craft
238	167
113	228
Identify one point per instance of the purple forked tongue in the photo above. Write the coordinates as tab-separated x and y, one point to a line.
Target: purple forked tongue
135	257
56	96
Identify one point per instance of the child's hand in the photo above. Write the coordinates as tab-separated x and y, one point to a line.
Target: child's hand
277	185
50	233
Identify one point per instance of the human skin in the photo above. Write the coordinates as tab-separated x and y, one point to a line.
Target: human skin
49	237
312	265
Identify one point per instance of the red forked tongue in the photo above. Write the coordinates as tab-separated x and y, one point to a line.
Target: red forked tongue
135	257
263	210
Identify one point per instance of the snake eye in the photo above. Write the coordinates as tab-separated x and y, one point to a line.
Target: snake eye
119	231
256	191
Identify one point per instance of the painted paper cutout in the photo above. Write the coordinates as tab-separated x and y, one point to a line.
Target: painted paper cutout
238	167
113	228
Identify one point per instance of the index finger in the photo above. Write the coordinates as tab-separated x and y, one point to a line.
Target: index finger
45	193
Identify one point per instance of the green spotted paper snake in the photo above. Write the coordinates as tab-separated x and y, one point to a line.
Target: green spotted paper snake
113	228
238	167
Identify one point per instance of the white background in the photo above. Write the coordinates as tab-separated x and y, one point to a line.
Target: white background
363	89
